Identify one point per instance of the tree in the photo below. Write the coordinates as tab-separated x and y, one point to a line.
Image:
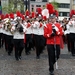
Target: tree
55	4
13	6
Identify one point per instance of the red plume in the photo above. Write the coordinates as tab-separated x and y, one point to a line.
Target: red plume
6	15
27	13
22	16
11	15
2	16
72	13
33	14
18	13
50	7
56	13
39	10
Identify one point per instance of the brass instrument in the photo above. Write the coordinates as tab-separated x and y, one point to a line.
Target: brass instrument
7	25
19	28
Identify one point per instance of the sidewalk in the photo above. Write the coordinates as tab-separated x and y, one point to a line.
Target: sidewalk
66	63
29	65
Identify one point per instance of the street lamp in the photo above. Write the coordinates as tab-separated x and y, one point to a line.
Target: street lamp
27	4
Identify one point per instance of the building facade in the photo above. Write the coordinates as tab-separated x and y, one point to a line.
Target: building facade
34	4
63	5
72	4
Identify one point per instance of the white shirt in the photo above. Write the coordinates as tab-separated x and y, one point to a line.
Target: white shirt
36	26
1	27
71	26
18	35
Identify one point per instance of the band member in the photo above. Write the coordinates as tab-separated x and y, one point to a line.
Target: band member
18	37
9	33
71	31
5	29
64	25
9	37
41	33
52	33
28	38
67	34
28	35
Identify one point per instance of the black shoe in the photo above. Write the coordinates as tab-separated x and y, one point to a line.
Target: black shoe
27	53
6	50
9	54
2	46
20	57
37	57
73	54
17	59
51	72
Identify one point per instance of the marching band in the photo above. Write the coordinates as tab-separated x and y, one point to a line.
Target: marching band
22	32
33	30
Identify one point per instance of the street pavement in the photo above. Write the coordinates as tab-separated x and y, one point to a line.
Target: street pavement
29	65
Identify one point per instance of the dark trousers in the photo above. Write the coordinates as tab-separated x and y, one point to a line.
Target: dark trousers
0	40
5	41
19	45
28	44
52	56
39	44
10	44
72	38
68	42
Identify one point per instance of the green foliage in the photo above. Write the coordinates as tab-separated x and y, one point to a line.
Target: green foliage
55	4
12	6
0	7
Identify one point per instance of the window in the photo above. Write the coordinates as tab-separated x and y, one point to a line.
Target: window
62	5
60	13
68	14
44	0
38	5
32	5
63	13
73	1
32	0
38	0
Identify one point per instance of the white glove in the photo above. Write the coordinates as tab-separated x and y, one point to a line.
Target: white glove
56	28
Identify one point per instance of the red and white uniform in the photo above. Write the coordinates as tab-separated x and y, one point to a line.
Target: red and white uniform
48	32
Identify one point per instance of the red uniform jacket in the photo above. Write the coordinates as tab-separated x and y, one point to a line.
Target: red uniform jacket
48	32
